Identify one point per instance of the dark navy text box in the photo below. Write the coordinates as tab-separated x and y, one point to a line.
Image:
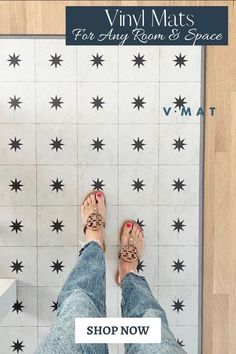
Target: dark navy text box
158	25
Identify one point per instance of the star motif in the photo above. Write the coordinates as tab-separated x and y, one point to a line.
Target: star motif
178	305
178	266
180	342
17	346
56	102
179	185
16	185
179	144
138	60
179	60
55	60
98	144
14	60
17	306
57	266
15	144
57	185
56	144
138	185
81	251
140	266
179	102
98	185
138	144
16	266
16	226
178	225
57	226
14	102
138	102
97	60
54	306
140	223
97	102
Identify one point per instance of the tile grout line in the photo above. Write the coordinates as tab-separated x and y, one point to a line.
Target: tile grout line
77	149
103	123
36	190
74	205
99	81
158	177
108	244
118	162
106	165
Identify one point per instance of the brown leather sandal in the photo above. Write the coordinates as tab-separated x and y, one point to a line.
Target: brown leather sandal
95	220
128	252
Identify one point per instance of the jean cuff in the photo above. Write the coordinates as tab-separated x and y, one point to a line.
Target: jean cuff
130	275
95	243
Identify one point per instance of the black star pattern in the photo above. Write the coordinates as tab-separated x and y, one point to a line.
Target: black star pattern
57	266
16	266
138	60
16	226
15	144
17	346
57	185
179	102
55	60
81	251
138	144
138	185
140	266
56	102
16	185
97	60
98	144
14	60
17	306
178	225
98	185
56	144
57	226
14	102
178	305
179	144
180	342
140	223
97	102
178	266
54	306
180	60
179	185
138	102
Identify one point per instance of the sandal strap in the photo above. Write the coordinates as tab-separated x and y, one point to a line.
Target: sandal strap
129	252
95	221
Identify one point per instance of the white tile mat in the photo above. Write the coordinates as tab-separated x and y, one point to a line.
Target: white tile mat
80	118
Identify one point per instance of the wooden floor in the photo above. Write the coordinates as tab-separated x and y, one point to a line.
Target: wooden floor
219	305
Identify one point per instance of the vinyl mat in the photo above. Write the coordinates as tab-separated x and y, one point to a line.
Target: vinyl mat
74	119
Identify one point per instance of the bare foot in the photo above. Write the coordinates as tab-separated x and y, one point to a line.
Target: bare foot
131	231
94	200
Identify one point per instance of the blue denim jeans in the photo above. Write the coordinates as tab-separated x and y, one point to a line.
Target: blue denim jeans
84	295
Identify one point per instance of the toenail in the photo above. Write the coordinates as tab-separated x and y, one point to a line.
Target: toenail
99	195
128	225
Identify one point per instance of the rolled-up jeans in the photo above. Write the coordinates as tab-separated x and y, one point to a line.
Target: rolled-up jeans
84	295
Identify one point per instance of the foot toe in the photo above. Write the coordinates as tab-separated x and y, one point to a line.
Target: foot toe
100	198
126	232
93	200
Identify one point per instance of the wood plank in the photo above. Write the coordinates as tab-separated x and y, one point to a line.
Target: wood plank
220	334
